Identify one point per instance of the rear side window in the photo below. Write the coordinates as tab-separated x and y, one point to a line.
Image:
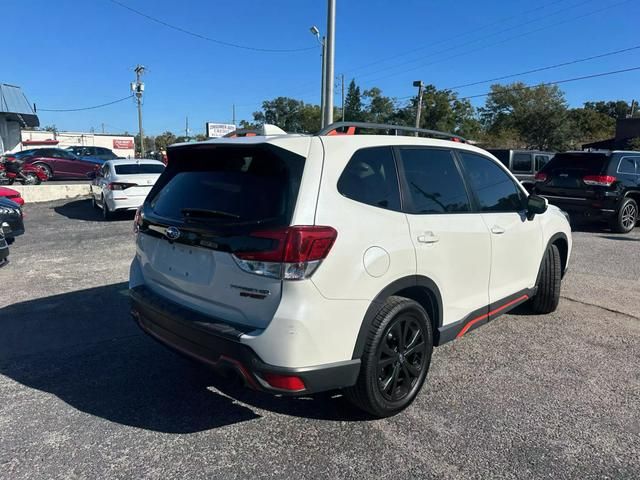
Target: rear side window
433	181
522	162
494	189
228	185
370	177
627	165
135	169
541	161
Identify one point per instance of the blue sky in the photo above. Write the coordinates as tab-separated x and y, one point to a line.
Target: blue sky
77	53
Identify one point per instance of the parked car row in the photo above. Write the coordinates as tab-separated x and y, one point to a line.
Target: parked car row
11	222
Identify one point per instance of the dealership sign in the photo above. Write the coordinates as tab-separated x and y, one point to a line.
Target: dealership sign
219	129
123	143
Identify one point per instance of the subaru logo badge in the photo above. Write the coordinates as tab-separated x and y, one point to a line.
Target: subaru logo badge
172	233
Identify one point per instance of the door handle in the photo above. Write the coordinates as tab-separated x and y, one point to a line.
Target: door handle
428	237
497	230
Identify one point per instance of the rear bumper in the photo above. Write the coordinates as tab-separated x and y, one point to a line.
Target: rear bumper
579	208
12	228
125	202
218	345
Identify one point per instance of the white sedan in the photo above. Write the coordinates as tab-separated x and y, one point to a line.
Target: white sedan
123	184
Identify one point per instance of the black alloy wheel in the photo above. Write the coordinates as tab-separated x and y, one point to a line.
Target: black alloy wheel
395	360
402	356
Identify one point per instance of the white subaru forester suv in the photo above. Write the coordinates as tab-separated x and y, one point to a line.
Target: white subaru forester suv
338	260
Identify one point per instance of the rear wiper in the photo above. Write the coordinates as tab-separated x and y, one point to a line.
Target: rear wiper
203	212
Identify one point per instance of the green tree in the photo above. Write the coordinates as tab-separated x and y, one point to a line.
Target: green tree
536	115
353	110
634	143
289	114
589	125
379	109
149	144
614	109
164	140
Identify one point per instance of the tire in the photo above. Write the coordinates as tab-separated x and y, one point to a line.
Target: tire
548	295
627	216
386	363
106	213
94	204
46	169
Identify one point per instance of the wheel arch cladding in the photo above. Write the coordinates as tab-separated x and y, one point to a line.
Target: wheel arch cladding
560	241
633	194
421	289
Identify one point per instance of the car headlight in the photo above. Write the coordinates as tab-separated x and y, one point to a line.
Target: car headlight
6	211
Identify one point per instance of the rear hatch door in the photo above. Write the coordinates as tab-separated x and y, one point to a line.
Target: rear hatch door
208	204
565	174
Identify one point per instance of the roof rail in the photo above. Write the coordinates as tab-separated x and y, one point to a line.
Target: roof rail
351	127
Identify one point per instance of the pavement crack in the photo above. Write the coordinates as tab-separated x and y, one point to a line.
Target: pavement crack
612	310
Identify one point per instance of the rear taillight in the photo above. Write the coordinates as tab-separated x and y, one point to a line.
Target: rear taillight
599	180
120	186
296	254
137	220
541	177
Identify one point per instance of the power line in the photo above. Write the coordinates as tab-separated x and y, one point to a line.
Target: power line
209	39
85	108
572	19
558	82
542	69
475	30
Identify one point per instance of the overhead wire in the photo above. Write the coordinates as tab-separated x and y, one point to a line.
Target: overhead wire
84	108
209	39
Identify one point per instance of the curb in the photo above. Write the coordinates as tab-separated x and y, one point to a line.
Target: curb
48	193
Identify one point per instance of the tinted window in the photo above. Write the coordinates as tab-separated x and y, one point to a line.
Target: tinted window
133	169
370	177
577	163
521	162
541	161
494	189
627	165
502	155
434	182
222	185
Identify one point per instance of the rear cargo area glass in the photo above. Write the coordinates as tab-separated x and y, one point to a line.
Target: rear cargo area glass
230	185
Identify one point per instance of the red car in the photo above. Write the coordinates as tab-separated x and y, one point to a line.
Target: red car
12	195
59	163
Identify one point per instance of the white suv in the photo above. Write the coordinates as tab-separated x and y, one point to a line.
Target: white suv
312	263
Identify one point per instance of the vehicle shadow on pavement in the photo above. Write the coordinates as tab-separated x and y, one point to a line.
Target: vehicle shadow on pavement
84	348
83	210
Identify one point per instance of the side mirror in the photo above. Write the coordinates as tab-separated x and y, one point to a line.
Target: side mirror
92	175
536	205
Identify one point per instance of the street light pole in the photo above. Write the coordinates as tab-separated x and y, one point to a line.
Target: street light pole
323	55
420	85
329	61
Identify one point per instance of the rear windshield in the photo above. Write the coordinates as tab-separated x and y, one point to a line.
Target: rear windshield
585	163
502	155
230	185
135	169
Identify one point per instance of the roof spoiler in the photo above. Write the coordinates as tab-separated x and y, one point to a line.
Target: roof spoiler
265	130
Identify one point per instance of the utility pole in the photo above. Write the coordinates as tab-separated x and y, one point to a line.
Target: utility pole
103	128
330	55
633	108
138	89
234	113
420	85
186	127
342	104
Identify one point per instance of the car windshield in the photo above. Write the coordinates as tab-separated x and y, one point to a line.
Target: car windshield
138	168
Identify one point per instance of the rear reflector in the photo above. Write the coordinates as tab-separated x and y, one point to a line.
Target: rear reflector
599	180
284	382
541	177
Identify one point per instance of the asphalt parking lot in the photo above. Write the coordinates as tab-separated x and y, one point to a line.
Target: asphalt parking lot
84	394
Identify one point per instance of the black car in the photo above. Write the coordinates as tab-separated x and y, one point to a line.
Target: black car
594	185
4	251
11	222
